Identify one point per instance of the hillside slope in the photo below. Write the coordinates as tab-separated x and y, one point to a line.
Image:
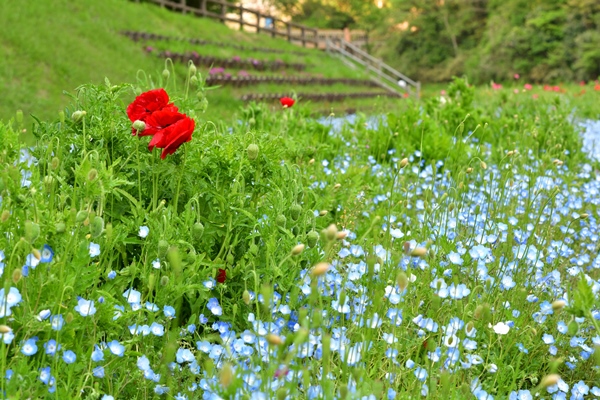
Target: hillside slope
47	47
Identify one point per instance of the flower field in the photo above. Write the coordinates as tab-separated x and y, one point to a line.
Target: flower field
446	250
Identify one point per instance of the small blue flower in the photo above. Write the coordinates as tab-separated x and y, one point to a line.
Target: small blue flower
47	254
116	348
57	322
144	230
214	306
107	397
112	275
169	311
97	354
98	372
85	307
43	315
132	296
29	348
94	249
51	347
45	375
157	329
69	357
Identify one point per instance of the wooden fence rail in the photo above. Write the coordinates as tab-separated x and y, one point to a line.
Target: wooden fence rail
308	37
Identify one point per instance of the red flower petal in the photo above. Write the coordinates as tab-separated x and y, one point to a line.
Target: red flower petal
146	104
221	275
287	101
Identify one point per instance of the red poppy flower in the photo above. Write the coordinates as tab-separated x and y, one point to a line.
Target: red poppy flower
221	275
287	101
146	104
170	130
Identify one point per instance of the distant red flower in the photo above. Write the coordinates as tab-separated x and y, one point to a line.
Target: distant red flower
146	104
516	76
496	86
287	102
221	275
170	130
597	87
528	86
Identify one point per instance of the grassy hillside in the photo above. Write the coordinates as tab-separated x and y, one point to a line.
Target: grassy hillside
47	47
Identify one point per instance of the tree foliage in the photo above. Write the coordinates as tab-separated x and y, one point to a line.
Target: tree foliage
541	40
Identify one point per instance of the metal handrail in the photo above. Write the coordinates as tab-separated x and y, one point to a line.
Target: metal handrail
381	69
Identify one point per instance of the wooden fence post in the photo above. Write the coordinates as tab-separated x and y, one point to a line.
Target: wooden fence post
203	7
241	18
223	12
258	15
303	34
289	31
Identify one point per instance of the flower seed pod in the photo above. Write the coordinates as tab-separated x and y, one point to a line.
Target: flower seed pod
197	231
330	233
32	231
319	269
295	211
252	151
312	238
77	115
402	280
163	247
226	375
81	216
297	249
55	163
96	226
274	340
281	220
139	126
549	380
419	252
16	275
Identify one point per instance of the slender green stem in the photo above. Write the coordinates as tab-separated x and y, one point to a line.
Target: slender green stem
175	201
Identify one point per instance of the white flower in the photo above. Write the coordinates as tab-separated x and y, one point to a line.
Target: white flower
144	231
94	249
501	328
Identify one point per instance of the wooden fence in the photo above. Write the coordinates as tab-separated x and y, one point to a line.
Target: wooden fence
245	17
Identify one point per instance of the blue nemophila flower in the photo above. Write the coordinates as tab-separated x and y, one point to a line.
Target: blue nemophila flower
97	354
214	306
94	249
151	306
98	372
156	264
157	329
132	296
69	357
51	347
29	347
44	314
7	337
107	397
112	275
169	311
136	329
85	307
426	323
421	374
520	395
7	301
116	348
45	375
57	322
143	233
184	355
47	254
579	390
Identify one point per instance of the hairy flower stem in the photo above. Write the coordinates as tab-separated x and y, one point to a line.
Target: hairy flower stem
179	181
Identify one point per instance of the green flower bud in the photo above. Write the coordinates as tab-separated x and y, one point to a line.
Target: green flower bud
92	175
192	68
295	211
78	115
197	231
81	216
5	216
16	275
252	151
163	247
572	328
312	238
166	74
19	117
281	220
96	226
54	163
164	280
246	297
32	231
139	125
69	318
253	249
60	227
